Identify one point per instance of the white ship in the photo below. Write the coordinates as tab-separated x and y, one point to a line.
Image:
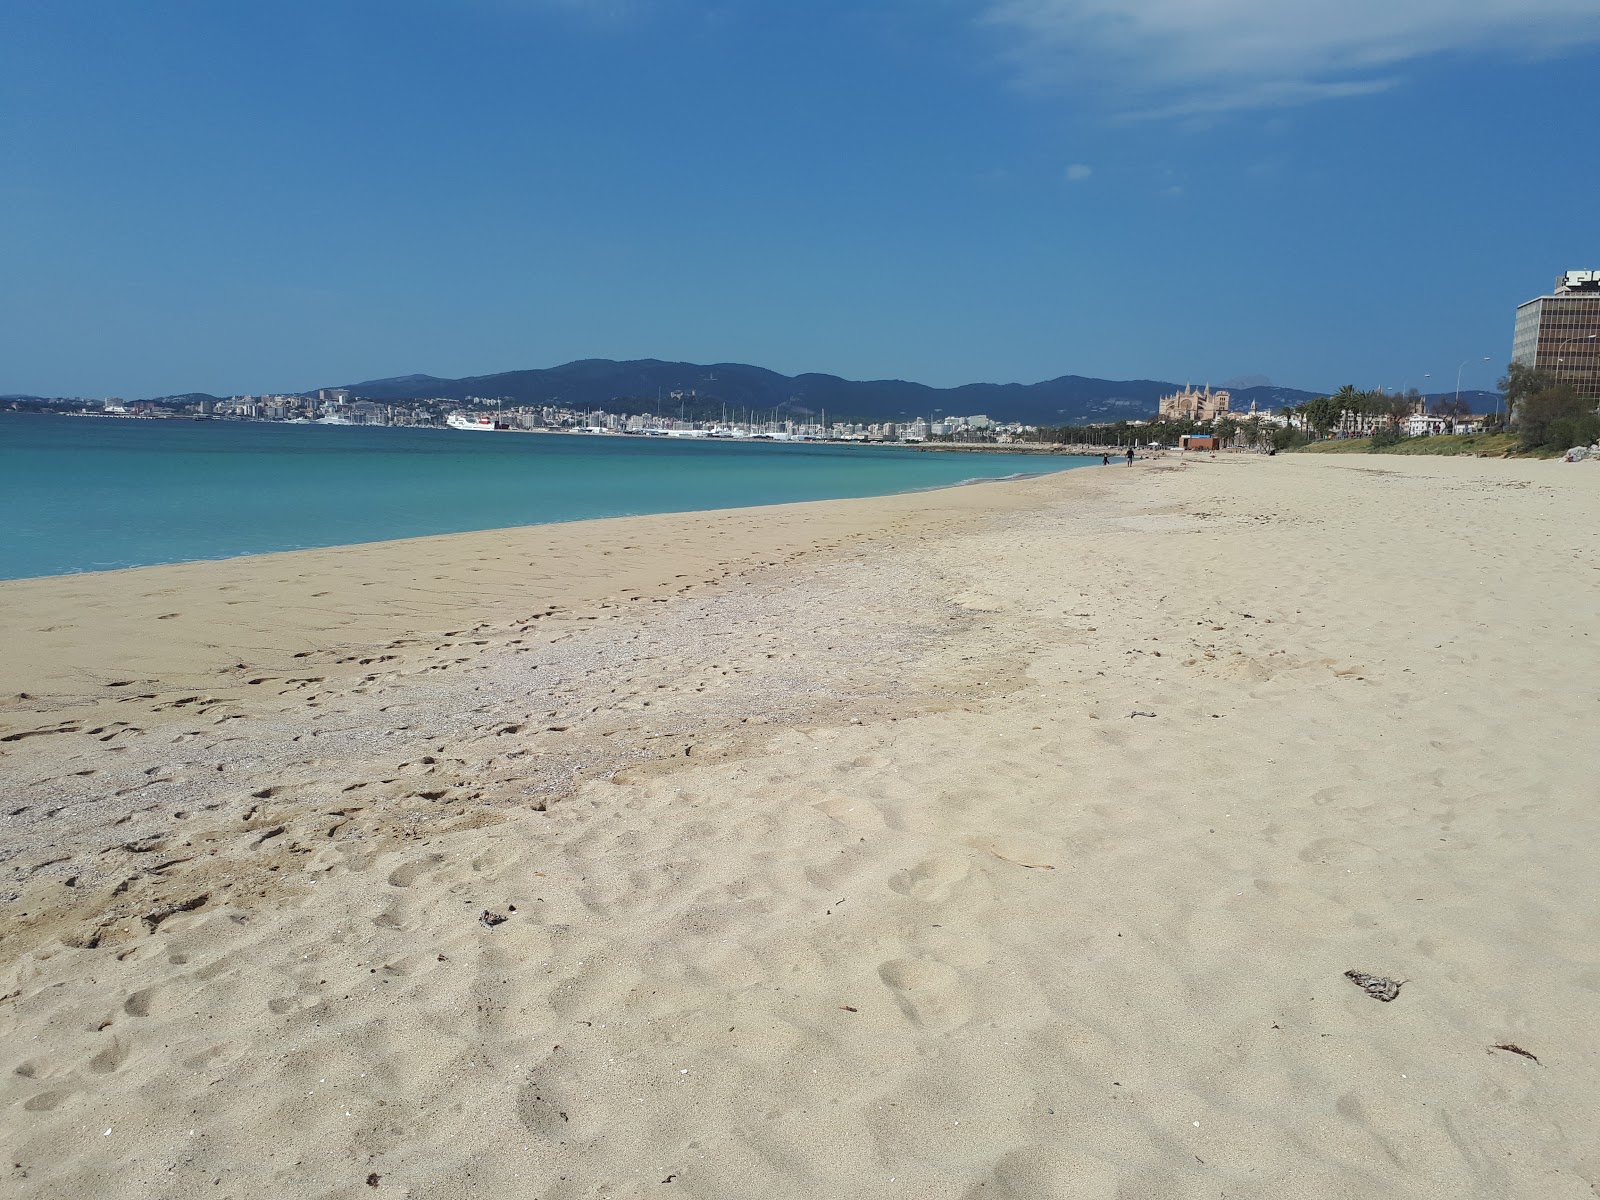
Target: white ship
467	421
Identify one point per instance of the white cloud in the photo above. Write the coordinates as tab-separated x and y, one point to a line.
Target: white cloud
1078	172
1168	57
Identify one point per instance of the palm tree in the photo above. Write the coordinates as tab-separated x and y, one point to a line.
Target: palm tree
1252	431
1348	400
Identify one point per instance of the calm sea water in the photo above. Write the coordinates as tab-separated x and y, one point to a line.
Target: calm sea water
93	494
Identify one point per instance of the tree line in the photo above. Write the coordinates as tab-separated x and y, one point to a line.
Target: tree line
1323	414
1545	412
1548	413
1250	431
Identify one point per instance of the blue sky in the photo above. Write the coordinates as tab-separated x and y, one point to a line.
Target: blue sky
224	196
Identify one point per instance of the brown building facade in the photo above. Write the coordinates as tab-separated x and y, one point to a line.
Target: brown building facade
1560	333
1194	405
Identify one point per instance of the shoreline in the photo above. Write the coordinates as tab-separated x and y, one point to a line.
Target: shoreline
563	560
989	841
512	529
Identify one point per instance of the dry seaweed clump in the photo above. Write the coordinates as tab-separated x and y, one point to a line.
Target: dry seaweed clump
1377	986
1516	1049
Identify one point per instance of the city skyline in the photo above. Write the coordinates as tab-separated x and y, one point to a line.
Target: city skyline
245	201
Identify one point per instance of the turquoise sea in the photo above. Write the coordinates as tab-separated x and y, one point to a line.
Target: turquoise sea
94	494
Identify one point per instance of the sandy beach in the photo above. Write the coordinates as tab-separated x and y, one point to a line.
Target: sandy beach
1003	841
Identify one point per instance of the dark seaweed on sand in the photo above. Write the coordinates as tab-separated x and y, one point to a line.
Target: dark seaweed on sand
1376	986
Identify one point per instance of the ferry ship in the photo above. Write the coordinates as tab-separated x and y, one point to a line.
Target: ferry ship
467	421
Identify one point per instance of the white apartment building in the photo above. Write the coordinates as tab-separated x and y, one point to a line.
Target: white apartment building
1418	424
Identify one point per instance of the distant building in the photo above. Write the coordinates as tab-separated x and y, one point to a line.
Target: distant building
1419	424
1560	333
1194	405
1360	424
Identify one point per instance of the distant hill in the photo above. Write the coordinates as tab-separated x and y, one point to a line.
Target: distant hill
646	385
1480	401
186	398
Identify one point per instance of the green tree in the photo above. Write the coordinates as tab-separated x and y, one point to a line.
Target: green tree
1396	407
1545	412
1323	413
1520	383
1388	435
1286	437
1555	418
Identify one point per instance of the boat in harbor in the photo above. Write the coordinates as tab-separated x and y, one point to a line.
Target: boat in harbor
483	423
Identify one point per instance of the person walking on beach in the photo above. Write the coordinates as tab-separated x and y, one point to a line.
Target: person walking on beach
1130	456
1105	460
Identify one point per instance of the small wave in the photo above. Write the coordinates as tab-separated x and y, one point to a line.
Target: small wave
976	479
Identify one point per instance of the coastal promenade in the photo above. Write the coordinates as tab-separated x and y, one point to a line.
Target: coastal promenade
1003	841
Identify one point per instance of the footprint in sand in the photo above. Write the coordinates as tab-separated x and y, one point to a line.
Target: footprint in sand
112	1057
412	964
210	1058
928	991
930	880
1339	851
547	1109
408	874
389	918
492	860
1049	1169
280	1006
974	601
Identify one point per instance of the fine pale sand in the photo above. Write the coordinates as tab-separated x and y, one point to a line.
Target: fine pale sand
1007	841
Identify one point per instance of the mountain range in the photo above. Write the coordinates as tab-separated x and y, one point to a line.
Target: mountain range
707	390
648	385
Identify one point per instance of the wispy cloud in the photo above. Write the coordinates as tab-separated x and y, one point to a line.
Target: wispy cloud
1078	172
1176	57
